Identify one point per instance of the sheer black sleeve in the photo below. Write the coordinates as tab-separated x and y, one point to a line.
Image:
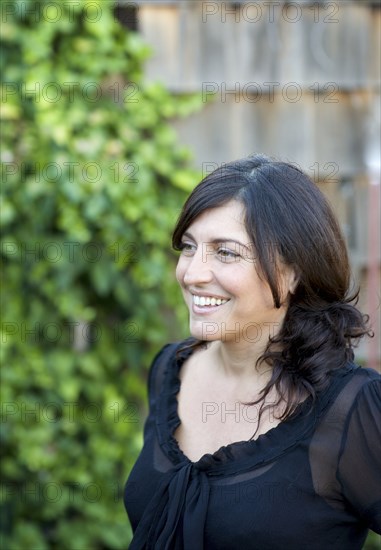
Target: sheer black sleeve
359	468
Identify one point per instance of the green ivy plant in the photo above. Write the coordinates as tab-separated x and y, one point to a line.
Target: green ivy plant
92	182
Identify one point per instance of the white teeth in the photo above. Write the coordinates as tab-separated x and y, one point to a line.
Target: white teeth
207	301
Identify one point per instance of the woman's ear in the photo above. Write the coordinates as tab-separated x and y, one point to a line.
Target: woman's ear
293	279
289	277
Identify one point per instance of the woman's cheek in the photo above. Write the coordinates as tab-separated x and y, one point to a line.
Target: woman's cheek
180	270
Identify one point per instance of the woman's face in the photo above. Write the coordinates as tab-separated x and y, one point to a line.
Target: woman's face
217	274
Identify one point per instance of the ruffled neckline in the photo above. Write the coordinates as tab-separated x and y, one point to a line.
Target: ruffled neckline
239	456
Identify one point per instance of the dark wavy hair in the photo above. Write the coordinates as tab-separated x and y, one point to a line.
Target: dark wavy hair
288	217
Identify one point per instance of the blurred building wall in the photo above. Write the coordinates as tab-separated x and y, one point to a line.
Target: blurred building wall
295	80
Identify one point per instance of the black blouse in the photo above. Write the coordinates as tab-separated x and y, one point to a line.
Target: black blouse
312	482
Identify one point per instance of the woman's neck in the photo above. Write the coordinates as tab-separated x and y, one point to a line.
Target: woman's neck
238	362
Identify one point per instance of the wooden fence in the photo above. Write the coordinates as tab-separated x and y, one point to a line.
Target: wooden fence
296	80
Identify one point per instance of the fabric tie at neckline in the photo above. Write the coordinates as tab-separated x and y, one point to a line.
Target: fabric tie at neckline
175	517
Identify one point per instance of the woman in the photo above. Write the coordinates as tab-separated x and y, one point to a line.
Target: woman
262	432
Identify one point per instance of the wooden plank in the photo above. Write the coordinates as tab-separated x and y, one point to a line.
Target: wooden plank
331	45
329	130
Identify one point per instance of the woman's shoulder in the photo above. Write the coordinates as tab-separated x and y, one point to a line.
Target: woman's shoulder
369	390
366	372
164	358
358	374
364	378
177	349
357	379
358	392
352	389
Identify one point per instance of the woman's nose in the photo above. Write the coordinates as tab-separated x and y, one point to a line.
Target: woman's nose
198	270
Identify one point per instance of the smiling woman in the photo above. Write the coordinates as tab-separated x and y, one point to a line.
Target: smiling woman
220	268
262	432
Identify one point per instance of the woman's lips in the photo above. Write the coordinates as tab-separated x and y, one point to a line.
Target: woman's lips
202	303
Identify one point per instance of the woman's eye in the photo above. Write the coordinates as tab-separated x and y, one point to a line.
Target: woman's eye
227	254
187	248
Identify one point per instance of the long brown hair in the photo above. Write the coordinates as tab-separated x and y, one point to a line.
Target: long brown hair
287	216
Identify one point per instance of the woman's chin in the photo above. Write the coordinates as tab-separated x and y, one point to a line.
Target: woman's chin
205	330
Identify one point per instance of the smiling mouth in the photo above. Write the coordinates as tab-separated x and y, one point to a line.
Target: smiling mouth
208	301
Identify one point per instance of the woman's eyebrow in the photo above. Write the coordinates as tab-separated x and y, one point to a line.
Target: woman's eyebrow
220	240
